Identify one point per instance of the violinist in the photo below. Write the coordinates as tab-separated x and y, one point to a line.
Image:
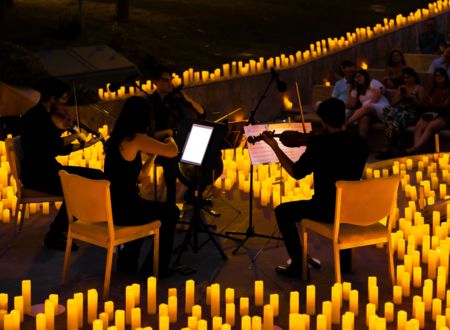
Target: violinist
332	156
41	140
172	108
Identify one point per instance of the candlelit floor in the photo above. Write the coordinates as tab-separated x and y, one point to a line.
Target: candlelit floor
22	256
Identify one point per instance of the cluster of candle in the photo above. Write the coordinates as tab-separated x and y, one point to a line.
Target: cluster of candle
316	50
270	182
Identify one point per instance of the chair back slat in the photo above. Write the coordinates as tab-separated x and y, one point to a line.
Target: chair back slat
366	202
86	200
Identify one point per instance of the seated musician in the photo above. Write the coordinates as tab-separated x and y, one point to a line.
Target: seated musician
124	169
172	108
42	127
335	155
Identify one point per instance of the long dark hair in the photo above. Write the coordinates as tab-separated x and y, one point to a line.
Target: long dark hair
361	89
444	73
135	117
389	61
411	72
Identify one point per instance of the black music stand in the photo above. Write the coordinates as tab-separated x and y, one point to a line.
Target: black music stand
198	150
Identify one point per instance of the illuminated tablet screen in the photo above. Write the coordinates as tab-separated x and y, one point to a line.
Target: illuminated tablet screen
196	144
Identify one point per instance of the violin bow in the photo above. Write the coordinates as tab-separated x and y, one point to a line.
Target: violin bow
300	107
76	103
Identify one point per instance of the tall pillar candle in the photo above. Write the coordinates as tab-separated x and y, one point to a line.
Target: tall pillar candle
119	319
256	323
243	306
129	303
353	302
327	309
274	299
49	310
229	296
294	302
135	318
78	297
26	294
151	295
268	317
389	311
92	302
173	310
259	293
72	314
310	300
41	323
109	309
215	300
336	298
230	313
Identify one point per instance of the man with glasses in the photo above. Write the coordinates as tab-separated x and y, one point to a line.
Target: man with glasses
171	108
41	143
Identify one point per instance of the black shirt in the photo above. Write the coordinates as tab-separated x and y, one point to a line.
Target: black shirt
41	143
331	157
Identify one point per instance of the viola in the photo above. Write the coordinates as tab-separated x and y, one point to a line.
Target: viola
291	139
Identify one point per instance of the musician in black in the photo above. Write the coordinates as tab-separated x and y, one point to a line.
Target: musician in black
335	155
41	143
172	109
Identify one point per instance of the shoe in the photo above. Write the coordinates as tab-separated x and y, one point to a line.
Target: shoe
289	271
314	262
58	242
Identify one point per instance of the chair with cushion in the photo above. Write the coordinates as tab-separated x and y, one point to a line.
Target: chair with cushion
25	196
89	203
360	206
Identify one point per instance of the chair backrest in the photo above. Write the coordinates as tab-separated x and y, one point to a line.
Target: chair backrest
86	200
366	202
14	153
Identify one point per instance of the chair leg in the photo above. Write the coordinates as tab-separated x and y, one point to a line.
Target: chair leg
67	257
109	257
337	263
304	236
391	261
156	253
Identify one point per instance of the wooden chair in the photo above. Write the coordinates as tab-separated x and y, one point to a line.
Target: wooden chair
25	196
360	206
89	202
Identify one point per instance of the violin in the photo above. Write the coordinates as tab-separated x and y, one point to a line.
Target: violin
290	139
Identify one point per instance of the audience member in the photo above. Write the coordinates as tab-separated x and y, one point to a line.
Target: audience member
394	69
342	87
368	100
437	115
403	112
430	39
441	62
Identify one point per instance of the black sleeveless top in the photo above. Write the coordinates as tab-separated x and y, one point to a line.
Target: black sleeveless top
123	176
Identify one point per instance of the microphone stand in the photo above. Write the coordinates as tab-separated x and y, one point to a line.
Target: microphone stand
250	232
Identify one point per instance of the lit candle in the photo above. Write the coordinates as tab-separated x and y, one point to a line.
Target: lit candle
259	293
230	314
246	323
373	295
192	323
353	302
151	295
327	311
72	314
4	301
397	294
417	277
294	302
321	322
256	323
389	311
420	314
432	260
119	319
336	301
54	297
216	323
244	306
49	309
402	317
26	294
229	296
109	309
18	306
164	323
92	301
215	299
135	318
129	303
440	287
346	288
310	300
406	284
268	317
427	294
197	311
274	302
172	303
370	311
436	309
202	325
41	322
78	297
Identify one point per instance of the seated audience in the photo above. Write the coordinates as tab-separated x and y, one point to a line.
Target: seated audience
394	70
124	169
403	112
430	39
437	115
342	87
368	100
441	62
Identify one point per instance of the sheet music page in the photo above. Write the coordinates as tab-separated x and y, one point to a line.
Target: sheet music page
261	153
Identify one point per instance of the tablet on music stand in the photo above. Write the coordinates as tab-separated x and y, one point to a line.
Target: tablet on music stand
196	144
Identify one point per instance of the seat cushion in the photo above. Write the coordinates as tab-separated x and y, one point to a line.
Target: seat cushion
98	232
348	233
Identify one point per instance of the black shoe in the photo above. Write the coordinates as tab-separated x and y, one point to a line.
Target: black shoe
289	271
314	262
58	242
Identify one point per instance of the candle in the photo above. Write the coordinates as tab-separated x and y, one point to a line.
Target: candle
402	317
397	294
256	323
353	302
246	323
274	302
78	297
427	294
135	318
192	322
336	301
119	319
137	293
440	287
370	311
202	325
172	304
230	314
92	302
197	311
41	322
417	277
151	295
215	299
389	311
163	323
268	317
432	261
327	311
406	284
229	296
373	295
419	314
244	306
310	300
109	309
436	309
72	314
4	301
49	309
105	318
26	294
18	306
294	302
321	322
129	303
217	323
163	310
346	288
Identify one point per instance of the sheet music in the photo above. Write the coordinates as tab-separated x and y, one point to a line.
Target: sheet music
261	153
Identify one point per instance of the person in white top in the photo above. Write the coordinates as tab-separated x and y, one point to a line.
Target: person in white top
368	100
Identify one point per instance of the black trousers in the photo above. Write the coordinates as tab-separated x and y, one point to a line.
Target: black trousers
51	183
139	212
169	166
288	214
